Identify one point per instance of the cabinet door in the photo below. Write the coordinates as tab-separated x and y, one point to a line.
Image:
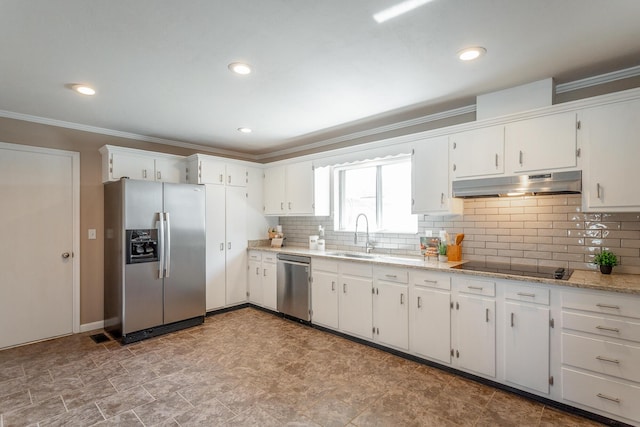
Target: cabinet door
170	170
391	314
236	175
254	279
132	166
211	172
477	152
299	189
611	136
269	286
236	245
430	311
324	299
355	306
476	334
274	195
526	346
430	184
542	143
215	247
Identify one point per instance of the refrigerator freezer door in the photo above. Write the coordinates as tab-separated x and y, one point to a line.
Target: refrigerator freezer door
184	288
143	292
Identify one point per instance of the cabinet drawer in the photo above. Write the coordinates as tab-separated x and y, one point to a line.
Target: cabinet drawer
269	257
430	280
255	256
526	293
604	357
478	287
604	303
601	393
600	325
356	269
389	274
324	265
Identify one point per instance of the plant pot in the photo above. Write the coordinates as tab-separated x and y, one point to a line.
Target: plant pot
443	258
606	269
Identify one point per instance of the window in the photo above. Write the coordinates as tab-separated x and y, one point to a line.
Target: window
379	189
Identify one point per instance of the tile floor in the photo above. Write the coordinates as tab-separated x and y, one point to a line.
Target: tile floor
245	368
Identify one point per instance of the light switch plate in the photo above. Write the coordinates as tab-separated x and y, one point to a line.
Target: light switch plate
92	234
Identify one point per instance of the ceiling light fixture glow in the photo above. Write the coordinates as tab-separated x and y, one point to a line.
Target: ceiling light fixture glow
398	9
471	53
245	130
240	68
84	89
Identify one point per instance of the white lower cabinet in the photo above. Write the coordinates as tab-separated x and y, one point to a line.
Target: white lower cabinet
430	315
355	302
324	293
601	353
474	326
262	280
391	307
526	345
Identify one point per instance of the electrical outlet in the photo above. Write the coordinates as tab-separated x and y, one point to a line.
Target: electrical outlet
92	234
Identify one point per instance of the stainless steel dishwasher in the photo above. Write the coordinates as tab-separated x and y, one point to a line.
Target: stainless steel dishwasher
294	296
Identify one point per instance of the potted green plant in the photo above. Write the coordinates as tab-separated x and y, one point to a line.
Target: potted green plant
606	260
442	252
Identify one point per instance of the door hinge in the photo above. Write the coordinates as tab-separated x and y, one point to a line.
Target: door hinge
578	124
552	323
551	380
578	152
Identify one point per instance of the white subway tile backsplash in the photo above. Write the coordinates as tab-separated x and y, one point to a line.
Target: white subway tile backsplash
544	230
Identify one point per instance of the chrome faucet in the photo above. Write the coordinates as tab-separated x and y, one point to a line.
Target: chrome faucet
368	246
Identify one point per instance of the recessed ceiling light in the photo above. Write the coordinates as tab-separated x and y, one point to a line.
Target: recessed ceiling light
240	68
398	9
84	89
245	130
471	53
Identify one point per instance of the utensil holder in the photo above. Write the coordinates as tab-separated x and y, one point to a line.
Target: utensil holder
454	252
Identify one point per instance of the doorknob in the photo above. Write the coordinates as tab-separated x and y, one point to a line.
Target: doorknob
66	255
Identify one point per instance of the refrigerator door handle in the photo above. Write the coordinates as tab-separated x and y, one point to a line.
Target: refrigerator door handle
168	246
160	225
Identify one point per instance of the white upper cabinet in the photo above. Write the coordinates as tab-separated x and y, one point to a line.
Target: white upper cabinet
120	162
610	134
212	170
430	183
296	189
477	152
542	143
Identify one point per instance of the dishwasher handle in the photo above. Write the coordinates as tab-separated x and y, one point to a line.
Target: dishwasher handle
304	264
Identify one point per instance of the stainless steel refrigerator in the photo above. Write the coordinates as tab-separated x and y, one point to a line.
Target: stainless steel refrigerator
154	258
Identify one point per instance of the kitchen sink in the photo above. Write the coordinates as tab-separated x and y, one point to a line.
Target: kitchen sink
353	255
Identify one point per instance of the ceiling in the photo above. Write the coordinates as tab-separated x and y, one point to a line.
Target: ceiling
160	66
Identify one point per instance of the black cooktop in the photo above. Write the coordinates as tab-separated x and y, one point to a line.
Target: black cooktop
517	269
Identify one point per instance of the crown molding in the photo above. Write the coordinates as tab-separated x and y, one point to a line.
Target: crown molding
598	80
121	134
371	132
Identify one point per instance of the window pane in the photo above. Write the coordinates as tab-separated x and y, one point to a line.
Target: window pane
396	198
359	196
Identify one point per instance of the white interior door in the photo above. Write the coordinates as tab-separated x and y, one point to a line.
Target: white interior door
37	268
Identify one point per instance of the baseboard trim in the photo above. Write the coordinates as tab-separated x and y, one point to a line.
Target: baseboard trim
86	327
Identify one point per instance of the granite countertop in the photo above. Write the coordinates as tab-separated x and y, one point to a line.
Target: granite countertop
623	283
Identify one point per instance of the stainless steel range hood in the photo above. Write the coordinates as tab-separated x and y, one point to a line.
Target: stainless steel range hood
548	183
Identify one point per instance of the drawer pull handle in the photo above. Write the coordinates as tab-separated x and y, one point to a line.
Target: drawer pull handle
512	324
487	315
615	307
604	396
475	288
606	328
401	299
392	276
419	302
526	294
435	282
344	288
606	359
